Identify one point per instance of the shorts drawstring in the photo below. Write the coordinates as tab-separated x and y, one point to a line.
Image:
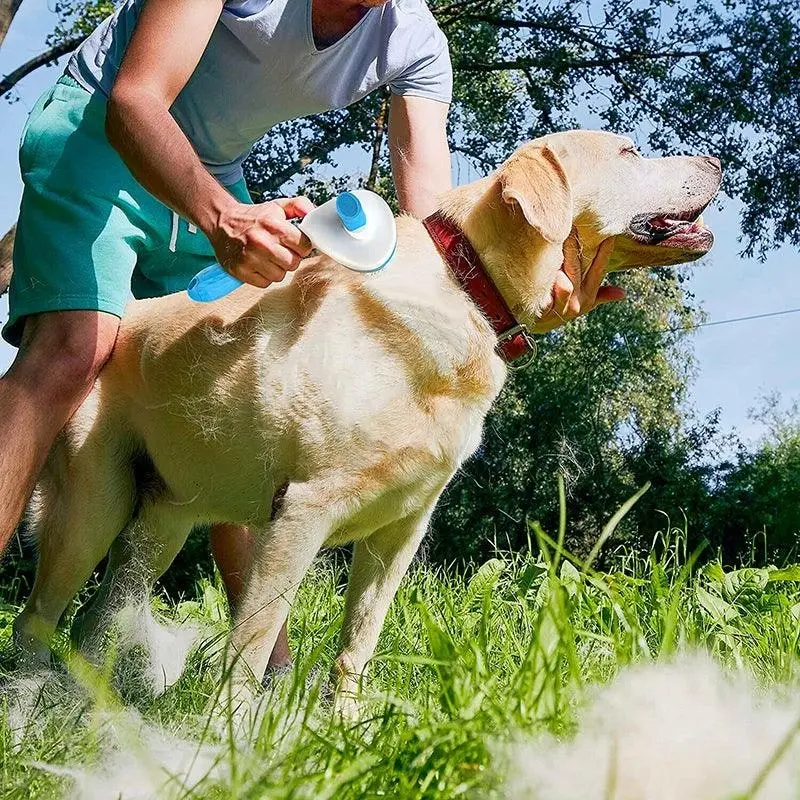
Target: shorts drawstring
173	237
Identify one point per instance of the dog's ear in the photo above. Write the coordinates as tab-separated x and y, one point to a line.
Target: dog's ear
534	180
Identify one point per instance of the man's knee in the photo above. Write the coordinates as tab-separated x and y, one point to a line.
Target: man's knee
64	351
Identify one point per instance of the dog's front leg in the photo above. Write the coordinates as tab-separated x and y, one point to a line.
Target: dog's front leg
284	551
379	564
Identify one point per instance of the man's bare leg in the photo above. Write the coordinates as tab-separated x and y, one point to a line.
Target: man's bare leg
232	547
61	355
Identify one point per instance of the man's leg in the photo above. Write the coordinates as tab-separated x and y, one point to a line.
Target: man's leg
55	369
232	547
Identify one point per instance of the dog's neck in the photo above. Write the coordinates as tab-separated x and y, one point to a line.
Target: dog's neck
466	266
523	266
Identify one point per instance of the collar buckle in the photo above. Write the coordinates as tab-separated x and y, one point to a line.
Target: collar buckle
526	353
512	332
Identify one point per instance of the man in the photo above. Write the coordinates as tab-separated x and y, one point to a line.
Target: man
132	171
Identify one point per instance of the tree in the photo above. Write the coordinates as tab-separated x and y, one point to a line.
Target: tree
601	405
8	10
756	510
717	76
6	248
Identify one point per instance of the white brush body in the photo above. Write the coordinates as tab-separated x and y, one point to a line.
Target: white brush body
366	250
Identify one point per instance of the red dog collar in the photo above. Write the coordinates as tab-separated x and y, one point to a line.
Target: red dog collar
513	338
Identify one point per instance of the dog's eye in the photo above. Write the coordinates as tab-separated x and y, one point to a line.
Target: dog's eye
630	150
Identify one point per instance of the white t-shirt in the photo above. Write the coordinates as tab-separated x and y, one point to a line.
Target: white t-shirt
261	67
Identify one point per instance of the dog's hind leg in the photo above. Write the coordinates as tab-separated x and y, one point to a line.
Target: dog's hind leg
138	558
379	564
85	497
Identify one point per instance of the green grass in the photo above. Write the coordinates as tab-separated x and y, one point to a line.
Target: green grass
465	663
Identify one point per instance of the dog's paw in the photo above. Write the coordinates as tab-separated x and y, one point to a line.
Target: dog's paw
30	649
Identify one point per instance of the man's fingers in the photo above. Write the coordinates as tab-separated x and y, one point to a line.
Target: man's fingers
294	239
253	278
267	247
597	271
279	258
572	261
609	294
562	293
295	207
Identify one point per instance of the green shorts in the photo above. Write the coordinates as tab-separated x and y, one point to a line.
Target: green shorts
88	233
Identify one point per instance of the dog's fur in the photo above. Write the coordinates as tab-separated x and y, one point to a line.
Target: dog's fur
362	395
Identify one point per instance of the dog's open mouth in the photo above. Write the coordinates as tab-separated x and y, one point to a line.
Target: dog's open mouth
681	230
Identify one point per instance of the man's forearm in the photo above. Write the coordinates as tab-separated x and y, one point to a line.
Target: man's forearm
423	201
163	160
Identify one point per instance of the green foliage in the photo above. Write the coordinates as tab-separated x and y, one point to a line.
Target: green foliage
601	401
466	663
78	18
760	494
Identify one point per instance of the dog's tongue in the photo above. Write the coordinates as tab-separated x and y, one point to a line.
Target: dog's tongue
665	223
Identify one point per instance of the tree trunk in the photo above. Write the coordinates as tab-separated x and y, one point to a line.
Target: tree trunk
8	8
6	248
377	142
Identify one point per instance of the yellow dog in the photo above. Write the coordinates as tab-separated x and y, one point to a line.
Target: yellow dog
360	394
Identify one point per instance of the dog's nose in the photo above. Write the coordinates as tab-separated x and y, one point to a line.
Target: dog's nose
714	163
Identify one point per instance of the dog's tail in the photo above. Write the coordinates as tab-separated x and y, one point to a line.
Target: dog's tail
6	249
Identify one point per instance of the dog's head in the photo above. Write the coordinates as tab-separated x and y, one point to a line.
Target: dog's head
593	185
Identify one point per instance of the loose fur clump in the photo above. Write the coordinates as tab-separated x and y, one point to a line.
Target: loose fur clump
142	762
134	759
162	647
680	731
28	703
147	764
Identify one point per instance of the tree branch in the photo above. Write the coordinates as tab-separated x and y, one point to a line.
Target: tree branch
521	24
591	63
48	57
377	142
273	183
449	14
8	9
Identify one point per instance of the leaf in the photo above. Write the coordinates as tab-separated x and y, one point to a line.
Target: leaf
744	581
715	606
714	572
485	579
570	578
788	574
533	571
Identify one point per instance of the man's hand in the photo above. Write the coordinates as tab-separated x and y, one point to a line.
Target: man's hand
575	294
257	244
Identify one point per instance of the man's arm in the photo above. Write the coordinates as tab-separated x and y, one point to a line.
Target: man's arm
420	153
255	243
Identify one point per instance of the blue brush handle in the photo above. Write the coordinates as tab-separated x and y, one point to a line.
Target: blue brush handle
211	284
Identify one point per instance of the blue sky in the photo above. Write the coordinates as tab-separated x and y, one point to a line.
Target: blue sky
737	363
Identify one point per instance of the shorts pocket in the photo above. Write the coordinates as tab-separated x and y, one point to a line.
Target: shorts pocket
34	130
